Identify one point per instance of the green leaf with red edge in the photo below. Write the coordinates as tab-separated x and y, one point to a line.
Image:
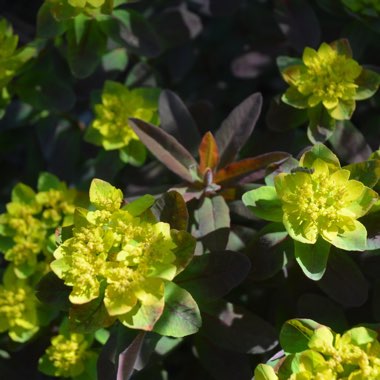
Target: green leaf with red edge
254	168
342	46
166	149
181	316
171	208
368	83
367	172
237	127
208	153
236	328
214	275
177	120
213	217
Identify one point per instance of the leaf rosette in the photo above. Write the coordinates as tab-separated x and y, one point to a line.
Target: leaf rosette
122	257
111	129
319	205
329	77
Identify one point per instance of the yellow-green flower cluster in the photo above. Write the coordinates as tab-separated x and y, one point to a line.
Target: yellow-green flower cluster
355	355
67	356
364	7
11	59
27	228
66	9
18	308
120	255
110	128
330	77
318	199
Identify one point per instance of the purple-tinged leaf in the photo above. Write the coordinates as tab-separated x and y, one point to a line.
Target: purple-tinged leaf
166	149
235	328
254	167
250	65
349	143
129	357
343	281
213	219
214	275
220	363
171	208
177	121
237	127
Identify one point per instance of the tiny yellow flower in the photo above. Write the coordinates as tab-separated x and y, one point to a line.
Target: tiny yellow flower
18	308
66	356
323	203
330	77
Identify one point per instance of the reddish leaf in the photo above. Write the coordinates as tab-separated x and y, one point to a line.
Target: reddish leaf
236	129
177	121
166	149
208	153
254	167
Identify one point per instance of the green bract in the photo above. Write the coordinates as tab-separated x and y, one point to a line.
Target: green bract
318	204
27	228
11	59
122	256
328	76
111	128
68	356
364	7
18	308
323	355
66	9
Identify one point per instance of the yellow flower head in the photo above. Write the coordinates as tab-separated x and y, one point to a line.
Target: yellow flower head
110	127
323	202
27	228
328	76
18	308
117	254
66	356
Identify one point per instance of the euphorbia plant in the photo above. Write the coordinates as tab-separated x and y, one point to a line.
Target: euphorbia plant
319	205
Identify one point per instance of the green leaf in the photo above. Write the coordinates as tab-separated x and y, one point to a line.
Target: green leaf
171	208
368	83
294	98
47	181
185	247
22	193
321	125
166	149
312	258
213	218
134	153
367	172
214	275
372	223
265	372
141	204
295	334
355	240
284	62
181	316
237	128
86	43
343	280
344	110
47	25
264	203
115	60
